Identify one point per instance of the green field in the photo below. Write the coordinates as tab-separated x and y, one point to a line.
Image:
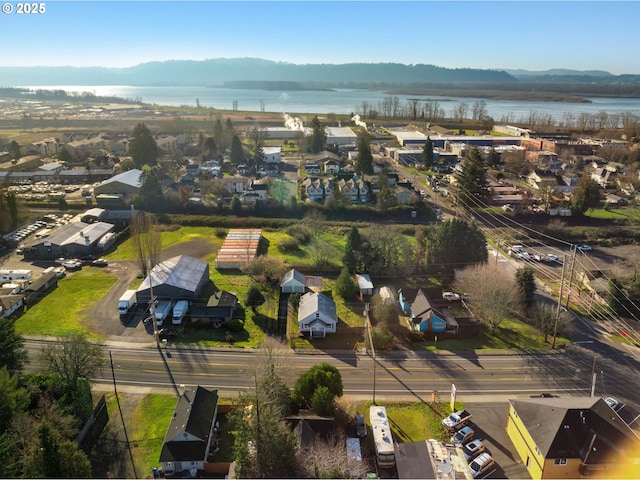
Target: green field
628	213
63	310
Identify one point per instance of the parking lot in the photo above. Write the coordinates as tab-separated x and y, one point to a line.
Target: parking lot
489	423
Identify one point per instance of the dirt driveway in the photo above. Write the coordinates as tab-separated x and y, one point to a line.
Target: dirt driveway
104	318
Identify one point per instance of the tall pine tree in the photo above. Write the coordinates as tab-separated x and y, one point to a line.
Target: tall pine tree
427	154
364	163
473	190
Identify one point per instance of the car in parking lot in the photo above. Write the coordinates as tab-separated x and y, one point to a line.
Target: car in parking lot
463	435
361	426
583	247
472	449
481	465
100	262
614	403
450	296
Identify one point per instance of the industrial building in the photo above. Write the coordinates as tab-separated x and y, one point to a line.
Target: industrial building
178	278
124	184
75	239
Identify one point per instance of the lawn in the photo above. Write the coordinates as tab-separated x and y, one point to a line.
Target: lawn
64	309
510	335
628	213
169	238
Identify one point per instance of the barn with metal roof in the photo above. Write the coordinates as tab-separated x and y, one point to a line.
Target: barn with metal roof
125	183
70	240
239	248
178	278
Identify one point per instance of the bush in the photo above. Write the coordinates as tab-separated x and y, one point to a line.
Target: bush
288	244
322	401
300	232
415	337
235	325
220	232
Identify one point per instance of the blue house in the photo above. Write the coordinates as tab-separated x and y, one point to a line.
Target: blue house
424	317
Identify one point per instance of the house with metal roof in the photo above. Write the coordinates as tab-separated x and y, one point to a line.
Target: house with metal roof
317	315
191	437
572	437
178	278
364	284
293	282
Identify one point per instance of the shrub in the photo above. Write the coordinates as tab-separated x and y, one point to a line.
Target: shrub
415	337
220	232
300	232
235	325
288	244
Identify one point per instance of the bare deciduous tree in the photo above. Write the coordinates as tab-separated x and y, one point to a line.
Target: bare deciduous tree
146	241
493	291
73	357
328	459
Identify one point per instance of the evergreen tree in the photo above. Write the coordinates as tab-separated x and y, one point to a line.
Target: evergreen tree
321	375
14	150
210	147
527	284
150	196
254	298
351	248
13	355
318	138
12	205
64	155
586	195
472	181
143	147
364	163
456	244
427	154
493	158
345	286
237	153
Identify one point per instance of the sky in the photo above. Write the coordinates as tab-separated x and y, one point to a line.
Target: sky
592	35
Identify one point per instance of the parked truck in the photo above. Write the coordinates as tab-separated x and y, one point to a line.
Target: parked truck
179	312
126	302
456	420
162	312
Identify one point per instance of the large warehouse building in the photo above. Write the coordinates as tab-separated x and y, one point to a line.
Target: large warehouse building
75	239
125	184
178	278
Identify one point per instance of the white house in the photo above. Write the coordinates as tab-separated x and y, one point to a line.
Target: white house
317	315
293	282
271	154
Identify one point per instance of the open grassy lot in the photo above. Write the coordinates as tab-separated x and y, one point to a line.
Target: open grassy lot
64	309
628	213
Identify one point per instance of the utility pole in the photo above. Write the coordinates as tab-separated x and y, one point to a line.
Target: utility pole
555	325
593	378
124	426
573	264
369	340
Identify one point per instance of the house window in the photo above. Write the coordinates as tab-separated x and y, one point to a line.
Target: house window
559	461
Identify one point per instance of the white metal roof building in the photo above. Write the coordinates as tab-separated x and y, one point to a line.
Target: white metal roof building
340	136
72	239
177	278
125	183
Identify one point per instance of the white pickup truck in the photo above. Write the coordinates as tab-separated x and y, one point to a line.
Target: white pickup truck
456	420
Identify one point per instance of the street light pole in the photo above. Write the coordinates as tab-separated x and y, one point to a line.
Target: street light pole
152	308
555	324
369	340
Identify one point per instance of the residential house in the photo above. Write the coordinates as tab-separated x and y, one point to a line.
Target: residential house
313	188
271	155
312	168
260	189
331	167
401	194
364	284
423	315
293	282
317	315
217	312
236	184
10	303
349	189
614	200
191	437
540	180
575	437
604	177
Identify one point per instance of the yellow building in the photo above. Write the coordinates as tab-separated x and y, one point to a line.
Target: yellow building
572	438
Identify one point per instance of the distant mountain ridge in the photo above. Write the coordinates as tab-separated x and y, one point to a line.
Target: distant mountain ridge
255	71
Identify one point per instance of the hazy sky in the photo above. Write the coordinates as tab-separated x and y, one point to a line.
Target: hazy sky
527	35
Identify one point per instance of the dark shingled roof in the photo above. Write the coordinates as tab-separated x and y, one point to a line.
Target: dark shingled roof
565	428
194	415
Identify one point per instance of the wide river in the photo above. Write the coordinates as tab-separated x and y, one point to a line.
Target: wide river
345	101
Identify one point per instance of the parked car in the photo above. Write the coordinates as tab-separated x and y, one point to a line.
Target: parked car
583	247
72	264
472	449
463	435
544	395
614	403
481	465
60	260
456	420
450	296
361	426
100	262
167	333
524	256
